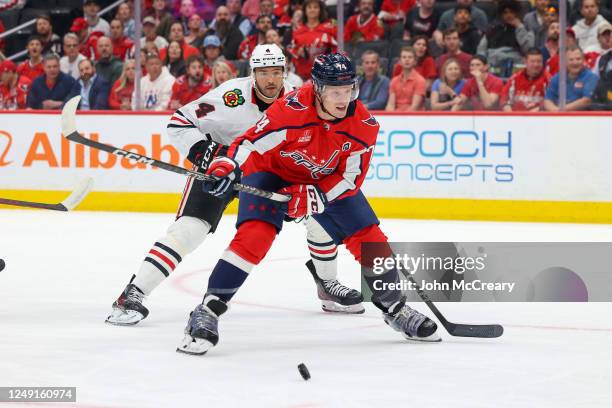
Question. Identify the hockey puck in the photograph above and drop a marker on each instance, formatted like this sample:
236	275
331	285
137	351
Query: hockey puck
304	371
2	265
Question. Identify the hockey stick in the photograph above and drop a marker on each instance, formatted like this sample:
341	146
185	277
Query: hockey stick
70	132
77	195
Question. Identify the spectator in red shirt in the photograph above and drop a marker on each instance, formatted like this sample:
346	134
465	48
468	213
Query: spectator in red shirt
395	11
314	37
482	90
262	25
120	97
407	91
177	34
525	90
33	66
50	41
453	50
121	44
426	66
364	26
190	86
87	43
14	88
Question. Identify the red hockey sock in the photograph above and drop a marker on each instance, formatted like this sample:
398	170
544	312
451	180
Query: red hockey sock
253	240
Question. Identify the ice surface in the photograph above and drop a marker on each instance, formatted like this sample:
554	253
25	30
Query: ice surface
65	269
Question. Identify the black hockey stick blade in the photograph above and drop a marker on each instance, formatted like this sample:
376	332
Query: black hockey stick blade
71	133
74	199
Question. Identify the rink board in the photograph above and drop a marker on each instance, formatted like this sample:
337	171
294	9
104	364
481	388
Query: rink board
535	167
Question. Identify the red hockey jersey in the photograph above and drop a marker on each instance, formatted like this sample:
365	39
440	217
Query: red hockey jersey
291	141
15	97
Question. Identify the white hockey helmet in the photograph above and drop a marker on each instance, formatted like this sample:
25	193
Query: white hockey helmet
267	55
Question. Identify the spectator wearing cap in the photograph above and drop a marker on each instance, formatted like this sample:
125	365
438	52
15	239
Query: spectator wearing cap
525	90
91	8
92	88
150	35
190	86
211	49
407	91
364	26
124	14
108	66
507	40
69	63
121	44
604	36
552	65
14	88
229	35
263	24
238	20
373	86
603	69
33	66
479	19
177	34
422	20
469	35
120	97
50	89
161	16
156	86
482	90
196	31
581	83
453	50
50	41
87	42
535	21
586	28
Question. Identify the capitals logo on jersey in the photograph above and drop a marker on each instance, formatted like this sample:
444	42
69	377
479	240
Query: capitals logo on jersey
315	169
294	103
233	98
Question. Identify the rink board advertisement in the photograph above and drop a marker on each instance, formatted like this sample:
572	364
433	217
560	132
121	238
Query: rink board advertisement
548	168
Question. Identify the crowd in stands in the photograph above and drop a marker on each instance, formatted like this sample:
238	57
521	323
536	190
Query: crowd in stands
412	55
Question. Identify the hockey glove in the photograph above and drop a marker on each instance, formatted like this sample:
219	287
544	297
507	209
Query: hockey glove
203	152
224	173
305	200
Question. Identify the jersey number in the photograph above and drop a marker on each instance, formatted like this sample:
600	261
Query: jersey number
262	123
204	109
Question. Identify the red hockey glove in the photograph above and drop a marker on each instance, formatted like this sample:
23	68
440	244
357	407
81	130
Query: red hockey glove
305	200
224	172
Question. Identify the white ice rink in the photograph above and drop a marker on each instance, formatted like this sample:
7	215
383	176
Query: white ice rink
65	269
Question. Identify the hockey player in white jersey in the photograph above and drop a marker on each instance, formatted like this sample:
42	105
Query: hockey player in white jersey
201	130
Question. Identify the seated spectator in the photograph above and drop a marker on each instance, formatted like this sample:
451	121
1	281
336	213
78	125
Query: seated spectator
174	60
525	90
447	19
535	21
552	65
197	31
407	91
314	37
69	63
604	36
124	14
108	66
272	37
177	34
50	41
469	35
393	12
2	42
426	66
602	97
266	7
93	88
364	26
190	86
422	20
87	42
150	35
586	28
506	40
262	24
446	90
121	44
212	53
581	83
186	10
120	97
33	66
229	35
14	88
238	20
250	9
156	86
551	45
482	90
373	87
161	17
91	8
451	45
222	72
50	89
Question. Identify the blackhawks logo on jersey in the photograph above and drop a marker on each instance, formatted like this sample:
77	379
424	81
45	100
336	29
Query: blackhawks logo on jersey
233	98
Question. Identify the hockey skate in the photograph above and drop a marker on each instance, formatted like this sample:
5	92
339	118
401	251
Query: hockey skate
201	333
128	308
414	325
335	297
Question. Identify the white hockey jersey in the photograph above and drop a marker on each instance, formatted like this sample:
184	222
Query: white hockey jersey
222	114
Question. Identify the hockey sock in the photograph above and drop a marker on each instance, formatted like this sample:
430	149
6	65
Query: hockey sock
323	250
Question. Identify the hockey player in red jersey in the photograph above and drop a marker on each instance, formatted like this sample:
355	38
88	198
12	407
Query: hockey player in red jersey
315	145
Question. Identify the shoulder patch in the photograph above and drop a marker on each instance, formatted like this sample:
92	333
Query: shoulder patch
293	102
346	146
370	121
233	98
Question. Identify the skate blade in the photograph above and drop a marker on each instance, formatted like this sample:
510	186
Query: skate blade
194	346
432	338
120	317
333	307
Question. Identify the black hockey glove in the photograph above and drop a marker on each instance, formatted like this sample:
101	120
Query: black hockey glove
203	152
